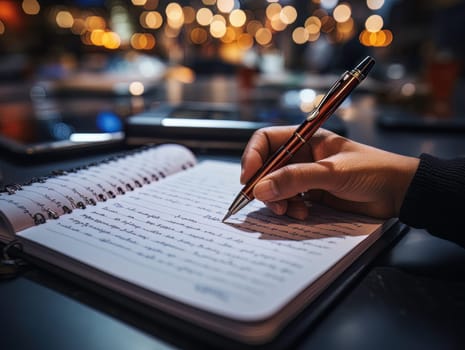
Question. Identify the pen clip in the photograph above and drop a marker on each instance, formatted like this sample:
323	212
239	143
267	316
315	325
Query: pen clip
330	92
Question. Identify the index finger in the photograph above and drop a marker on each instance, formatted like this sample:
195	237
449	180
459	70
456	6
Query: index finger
263	143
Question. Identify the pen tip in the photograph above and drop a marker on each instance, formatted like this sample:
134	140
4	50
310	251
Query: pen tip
228	214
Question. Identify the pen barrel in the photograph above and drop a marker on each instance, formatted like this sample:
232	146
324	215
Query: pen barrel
302	134
333	102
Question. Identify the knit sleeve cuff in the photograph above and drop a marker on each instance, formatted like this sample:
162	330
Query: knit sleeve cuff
435	199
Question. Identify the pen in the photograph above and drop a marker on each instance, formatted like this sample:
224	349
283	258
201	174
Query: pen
330	102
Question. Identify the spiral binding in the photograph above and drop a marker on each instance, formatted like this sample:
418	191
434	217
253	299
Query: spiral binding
40	218
10	266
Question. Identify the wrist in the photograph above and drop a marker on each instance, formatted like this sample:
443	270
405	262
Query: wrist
408	167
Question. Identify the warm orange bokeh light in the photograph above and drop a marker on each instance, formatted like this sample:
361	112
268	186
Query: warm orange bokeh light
151	19
263	36
381	38
64	19
10	13
198	36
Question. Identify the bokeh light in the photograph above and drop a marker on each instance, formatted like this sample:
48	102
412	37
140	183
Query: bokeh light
96	37
64	19
151	19
253	26
79	26
342	13
139	2
111	40
217	26
174	15
204	16
288	14
226	28
237	18
143	41
374	23
276	23
189	14
95	22
263	36
375	4
328	4
198	36
408	89
225	6
378	39
327	24
229	36
136	88
300	35
31	7
313	25
245	41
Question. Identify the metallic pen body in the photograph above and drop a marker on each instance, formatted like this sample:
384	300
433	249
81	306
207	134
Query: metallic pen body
330	102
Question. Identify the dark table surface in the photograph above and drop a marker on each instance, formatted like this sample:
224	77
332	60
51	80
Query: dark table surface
412	295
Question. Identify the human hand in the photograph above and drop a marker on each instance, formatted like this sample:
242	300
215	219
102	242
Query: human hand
329	169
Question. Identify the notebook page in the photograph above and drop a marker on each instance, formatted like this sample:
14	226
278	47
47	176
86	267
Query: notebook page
168	237
58	195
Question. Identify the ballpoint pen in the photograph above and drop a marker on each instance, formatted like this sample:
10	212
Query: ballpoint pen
329	103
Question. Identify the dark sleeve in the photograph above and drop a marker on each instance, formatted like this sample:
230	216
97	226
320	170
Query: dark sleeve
435	199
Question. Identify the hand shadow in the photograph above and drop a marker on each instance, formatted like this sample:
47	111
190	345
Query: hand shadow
323	222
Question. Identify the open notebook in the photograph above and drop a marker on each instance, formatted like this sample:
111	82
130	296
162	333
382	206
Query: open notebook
147	225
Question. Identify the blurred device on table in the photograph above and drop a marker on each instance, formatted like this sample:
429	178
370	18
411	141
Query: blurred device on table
433	102
424	112
203	125
28	128
401	119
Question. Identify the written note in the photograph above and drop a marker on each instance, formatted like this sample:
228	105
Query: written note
168	237
58	195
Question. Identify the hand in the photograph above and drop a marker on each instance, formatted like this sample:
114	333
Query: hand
332	170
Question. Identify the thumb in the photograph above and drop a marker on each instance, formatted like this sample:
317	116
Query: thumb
293	179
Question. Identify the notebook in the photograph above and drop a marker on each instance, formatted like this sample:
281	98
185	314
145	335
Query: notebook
147	226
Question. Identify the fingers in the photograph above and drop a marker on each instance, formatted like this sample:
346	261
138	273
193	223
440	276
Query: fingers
279	207
294	207
294	179
326	143
297	209
279	189
348	175
263	143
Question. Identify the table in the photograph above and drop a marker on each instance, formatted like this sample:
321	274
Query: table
413	295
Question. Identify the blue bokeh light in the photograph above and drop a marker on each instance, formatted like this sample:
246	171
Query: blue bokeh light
109	122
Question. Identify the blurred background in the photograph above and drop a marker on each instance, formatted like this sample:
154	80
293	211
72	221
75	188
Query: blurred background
137	53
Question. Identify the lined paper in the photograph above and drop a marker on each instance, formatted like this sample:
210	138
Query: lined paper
168	237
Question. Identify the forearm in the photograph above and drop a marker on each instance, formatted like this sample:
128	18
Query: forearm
435	199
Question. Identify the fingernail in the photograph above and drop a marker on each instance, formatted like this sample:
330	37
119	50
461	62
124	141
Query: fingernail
266	190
